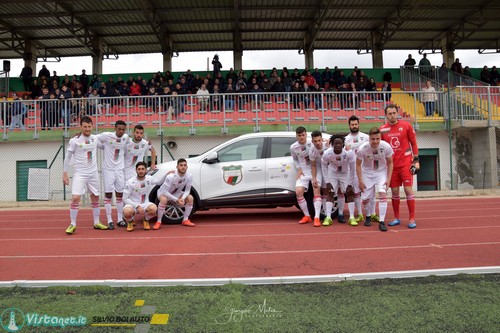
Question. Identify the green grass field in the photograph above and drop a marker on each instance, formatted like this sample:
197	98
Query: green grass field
462	303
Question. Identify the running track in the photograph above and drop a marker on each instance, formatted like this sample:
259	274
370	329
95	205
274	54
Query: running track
230	243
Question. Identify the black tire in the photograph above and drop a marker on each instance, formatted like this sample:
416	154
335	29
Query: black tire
173	213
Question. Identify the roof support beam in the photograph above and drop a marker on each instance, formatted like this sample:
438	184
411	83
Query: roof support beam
159	27
237	43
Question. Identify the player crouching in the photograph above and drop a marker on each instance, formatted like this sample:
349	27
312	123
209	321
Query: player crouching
134	197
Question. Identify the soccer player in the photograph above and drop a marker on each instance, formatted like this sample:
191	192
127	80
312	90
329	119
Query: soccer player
319	185
176	188
353	141
401	136
135	151
83	149
114	144
300	154
374	168
135	197
338	166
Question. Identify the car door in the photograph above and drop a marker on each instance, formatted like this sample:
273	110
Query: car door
280	171
238	178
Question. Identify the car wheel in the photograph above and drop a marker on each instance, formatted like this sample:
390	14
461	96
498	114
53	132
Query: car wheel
173	213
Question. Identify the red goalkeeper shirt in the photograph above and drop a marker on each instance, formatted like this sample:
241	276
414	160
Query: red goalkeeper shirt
403	141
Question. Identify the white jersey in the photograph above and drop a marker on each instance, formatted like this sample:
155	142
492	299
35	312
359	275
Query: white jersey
315	155
353	142
135	152
374	161
176	186
338	165
114	150
136	191
300	154
83	149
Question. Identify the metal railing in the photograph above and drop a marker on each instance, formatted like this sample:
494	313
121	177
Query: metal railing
257	111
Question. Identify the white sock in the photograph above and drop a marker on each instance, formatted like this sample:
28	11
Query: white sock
107	207
350	205
119	209
161	211
329	208
303	206
357	202
341	203
187	211
73	212
317	206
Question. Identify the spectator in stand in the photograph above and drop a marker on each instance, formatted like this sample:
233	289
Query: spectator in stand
44	73
279	87
287	81
309	79
371	86
443	74
256	98
343	96
229	98
217	65
169	76
494	76
274	77
296	96
152	101
45	109
203	98
410	62
425	66
65	99
26	75
457	67
353	96
295	75
18	110
485	75
386	92
341	79
231	75
35	89
135	89
266	87
306	97
317	76
326	78
361	87
353	78
429	98
54	77
467	71
84	80
317	96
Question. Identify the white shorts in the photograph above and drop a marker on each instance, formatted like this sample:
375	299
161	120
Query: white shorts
339	183
143	205
83	182
129	173
177	194
374	184
303	181
114	180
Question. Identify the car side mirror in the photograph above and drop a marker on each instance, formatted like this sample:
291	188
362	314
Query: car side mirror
211	158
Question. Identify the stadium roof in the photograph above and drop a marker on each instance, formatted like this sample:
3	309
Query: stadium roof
66	28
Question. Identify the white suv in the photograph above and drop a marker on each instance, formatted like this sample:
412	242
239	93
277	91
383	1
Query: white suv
250	171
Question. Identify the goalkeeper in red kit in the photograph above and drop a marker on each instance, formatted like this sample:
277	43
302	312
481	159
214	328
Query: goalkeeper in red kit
401	136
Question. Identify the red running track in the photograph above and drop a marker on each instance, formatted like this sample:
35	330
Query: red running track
230	243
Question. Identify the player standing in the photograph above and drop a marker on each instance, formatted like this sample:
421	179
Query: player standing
135	151
401	136
114	144
300	154
176	188
353	141
135	197
338	166
83	148
318	181
374	168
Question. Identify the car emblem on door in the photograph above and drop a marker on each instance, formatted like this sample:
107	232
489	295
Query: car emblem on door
232	174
